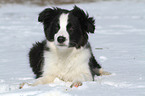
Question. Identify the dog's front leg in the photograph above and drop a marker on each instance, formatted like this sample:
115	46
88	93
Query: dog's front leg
43	80
40	81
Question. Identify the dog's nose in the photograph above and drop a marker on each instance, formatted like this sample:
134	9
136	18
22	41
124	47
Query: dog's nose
61	39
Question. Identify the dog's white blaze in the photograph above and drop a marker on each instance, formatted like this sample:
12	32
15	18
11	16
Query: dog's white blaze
63	21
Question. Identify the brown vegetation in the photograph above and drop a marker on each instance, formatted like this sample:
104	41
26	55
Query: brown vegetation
43	2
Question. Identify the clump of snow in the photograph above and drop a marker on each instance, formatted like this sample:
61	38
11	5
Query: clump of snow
103	58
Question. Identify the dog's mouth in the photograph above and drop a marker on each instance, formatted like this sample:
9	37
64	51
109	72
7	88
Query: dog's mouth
61	45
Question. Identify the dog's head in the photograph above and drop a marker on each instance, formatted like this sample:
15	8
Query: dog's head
67	28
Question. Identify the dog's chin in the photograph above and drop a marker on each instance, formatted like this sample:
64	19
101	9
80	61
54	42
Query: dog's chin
62	46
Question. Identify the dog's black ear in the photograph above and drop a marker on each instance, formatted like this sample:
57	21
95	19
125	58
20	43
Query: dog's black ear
87	23
48	14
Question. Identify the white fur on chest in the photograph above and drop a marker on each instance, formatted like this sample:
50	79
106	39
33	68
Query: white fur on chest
68	65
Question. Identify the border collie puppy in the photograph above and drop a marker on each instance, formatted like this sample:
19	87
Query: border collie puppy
65	53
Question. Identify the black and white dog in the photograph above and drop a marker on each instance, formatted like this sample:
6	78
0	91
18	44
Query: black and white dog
66	52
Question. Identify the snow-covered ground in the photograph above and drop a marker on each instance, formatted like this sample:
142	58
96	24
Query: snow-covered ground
118	44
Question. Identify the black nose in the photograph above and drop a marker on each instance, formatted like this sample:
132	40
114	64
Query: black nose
61	39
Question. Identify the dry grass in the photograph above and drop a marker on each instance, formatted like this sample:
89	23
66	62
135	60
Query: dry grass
43	2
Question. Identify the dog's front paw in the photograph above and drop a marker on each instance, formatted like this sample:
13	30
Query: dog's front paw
76	84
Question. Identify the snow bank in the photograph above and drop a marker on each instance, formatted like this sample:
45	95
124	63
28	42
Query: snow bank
119	34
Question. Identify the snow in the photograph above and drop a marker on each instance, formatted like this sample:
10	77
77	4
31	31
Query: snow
118	44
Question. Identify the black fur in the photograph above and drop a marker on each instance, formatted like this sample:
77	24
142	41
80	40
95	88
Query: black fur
94	64
87	23
36	58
